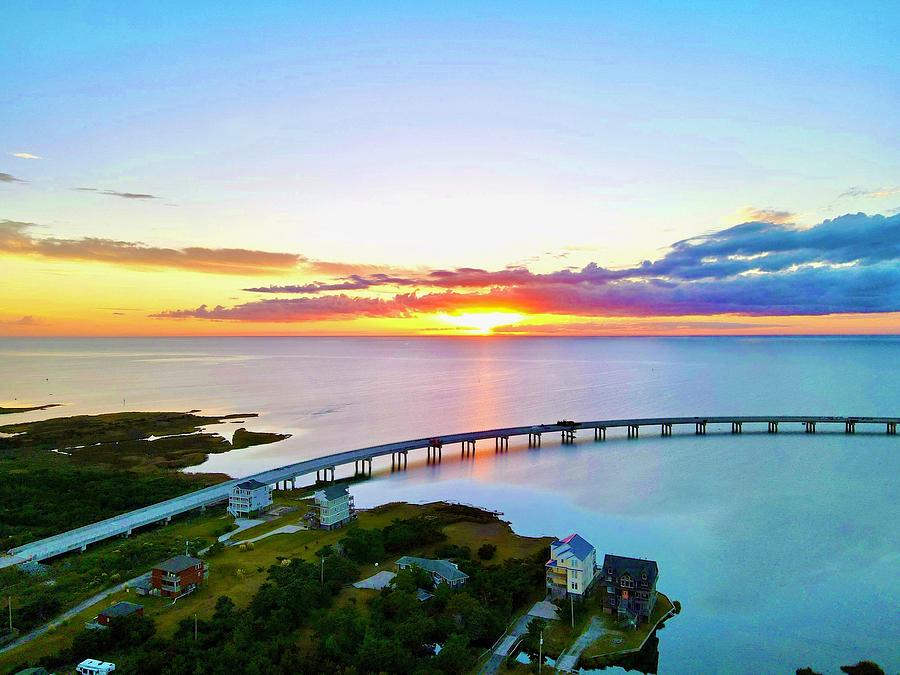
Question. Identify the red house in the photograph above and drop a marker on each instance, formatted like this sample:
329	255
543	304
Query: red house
177	576
117	610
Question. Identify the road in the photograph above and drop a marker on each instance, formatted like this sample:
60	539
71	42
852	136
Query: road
568	660
69	614
509	641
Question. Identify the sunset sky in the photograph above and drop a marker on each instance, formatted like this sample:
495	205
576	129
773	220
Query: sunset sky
468	168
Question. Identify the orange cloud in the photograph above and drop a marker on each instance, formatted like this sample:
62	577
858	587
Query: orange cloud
15	239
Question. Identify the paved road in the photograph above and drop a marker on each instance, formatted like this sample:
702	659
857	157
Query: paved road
74	611
568	660
161	512
512	637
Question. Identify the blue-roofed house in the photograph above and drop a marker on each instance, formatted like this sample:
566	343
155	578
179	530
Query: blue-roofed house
571	568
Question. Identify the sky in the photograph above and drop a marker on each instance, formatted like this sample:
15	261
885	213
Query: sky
284	168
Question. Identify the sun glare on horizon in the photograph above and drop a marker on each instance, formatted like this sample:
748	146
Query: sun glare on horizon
482	323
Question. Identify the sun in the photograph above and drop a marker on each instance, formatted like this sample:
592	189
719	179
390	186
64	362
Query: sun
481	323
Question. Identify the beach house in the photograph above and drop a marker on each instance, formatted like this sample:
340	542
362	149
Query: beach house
629	587
248	498
571	567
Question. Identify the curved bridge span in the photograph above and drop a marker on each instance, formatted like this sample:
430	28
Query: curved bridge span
324	467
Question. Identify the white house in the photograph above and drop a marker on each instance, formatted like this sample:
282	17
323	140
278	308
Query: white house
249	497
95	667
571	568
334	506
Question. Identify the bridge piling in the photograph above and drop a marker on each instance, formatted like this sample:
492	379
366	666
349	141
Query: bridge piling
773	427
501	444
850	427
534	440
700	428
892	428
599	433
633	430
568	436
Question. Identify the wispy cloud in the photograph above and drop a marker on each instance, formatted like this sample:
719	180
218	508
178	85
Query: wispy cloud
877	193
617	327
115	193
8	178
768	215
24	155
759	268
27	320
296	309
16	239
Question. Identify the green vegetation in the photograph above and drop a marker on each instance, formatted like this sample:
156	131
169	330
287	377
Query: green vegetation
132	441
861	668
244	439
66	472
10	411
612	648
42	495
619	639
277	617
65	582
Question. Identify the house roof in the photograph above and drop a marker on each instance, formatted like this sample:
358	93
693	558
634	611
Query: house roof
121	609
251	484
178	564
444	568
572	546
634	567
334	491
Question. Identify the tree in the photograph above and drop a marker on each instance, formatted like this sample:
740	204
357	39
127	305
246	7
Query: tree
863	668
531	640
487	551
363	546
455	657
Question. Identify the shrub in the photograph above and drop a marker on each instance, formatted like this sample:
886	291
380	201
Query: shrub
487	551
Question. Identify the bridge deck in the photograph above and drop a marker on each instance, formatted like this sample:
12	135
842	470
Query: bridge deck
124	523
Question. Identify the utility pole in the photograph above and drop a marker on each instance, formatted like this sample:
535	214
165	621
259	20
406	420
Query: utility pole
323	570
195	627
10	614
541	652
572	608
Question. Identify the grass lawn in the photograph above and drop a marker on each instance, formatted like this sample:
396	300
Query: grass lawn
618	639
559	635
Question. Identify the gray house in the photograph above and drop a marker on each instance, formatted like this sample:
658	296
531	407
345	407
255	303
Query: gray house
442	571
629	587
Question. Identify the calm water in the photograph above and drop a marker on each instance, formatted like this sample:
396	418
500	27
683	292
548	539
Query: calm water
784	550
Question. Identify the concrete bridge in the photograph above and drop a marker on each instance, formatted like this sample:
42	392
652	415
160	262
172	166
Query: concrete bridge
324	467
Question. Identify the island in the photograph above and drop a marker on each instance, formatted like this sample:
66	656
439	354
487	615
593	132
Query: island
10	411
